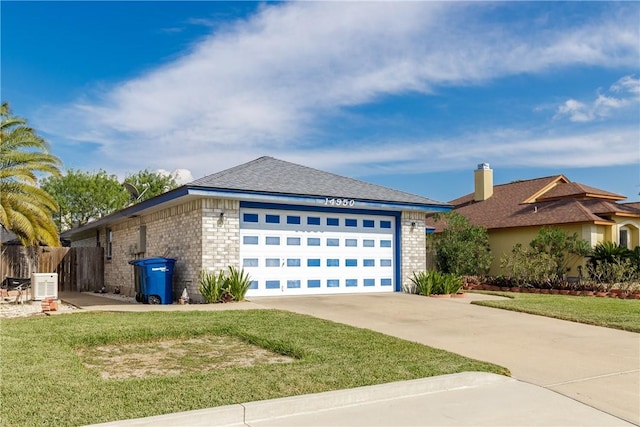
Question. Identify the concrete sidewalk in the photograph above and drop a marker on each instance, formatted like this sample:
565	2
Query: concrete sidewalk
466	399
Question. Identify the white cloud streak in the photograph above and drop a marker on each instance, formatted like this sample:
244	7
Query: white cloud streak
264	85
627	87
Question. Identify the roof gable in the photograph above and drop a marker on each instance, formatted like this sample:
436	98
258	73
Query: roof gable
575	190
542	201
273	176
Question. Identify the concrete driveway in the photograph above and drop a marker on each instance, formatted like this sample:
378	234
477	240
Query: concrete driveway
597	366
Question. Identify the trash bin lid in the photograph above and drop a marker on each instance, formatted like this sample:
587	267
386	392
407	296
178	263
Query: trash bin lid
151	261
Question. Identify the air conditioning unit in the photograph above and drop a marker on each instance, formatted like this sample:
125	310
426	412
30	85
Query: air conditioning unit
44	285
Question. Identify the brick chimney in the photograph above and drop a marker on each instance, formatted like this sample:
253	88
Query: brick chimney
483	179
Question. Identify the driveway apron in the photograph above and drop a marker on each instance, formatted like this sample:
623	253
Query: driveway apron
594	365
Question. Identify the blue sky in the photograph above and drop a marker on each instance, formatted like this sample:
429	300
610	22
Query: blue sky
409	95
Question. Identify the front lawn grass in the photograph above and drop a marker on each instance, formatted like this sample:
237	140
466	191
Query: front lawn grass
609	312
44	380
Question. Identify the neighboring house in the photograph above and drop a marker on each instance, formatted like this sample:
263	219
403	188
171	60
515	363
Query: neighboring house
294	229
515	212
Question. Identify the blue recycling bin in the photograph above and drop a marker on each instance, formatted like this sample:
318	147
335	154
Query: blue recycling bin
154	280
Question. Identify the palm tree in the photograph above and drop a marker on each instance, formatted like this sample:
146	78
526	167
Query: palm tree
25	209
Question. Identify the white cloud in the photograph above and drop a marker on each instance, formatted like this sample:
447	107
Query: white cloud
182	176
266	84
576	110
503	147
628	84
628	88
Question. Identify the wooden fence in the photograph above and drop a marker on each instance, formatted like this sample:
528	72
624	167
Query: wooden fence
79	269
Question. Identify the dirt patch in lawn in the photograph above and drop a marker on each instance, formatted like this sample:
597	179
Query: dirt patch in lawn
175	357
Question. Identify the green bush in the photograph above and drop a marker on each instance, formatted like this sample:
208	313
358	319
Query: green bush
433	282
545	261
610	263
451	284
238	283
212	286
528	267
461	248
223	286
423	282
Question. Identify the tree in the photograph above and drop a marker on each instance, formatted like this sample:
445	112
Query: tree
25	209
461	248
85	196
150	184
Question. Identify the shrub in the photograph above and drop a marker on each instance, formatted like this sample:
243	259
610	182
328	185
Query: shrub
237	283
544	262
451	283
423	282
611	264
561	247
212	286
461	248
224	287
436	283
528	267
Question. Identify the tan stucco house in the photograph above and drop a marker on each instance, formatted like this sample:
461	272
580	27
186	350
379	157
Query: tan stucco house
515	212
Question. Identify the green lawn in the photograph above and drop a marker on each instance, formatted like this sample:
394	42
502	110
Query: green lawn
609	312
44	380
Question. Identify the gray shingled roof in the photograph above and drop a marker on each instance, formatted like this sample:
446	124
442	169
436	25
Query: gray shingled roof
269	175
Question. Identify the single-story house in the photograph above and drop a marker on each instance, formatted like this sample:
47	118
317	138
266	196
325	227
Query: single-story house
294	229
515	212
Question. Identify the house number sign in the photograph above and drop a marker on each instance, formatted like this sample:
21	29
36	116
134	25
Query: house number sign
339	202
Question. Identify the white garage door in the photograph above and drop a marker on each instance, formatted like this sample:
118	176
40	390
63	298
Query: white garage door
300	253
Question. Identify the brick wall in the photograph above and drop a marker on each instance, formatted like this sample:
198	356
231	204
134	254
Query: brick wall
414	250
193	233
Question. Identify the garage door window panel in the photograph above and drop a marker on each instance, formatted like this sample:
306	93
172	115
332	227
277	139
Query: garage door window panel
293	241
272	219
250	240
250	217
293	284
272	240
272	284
292	219
313	283
250	262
